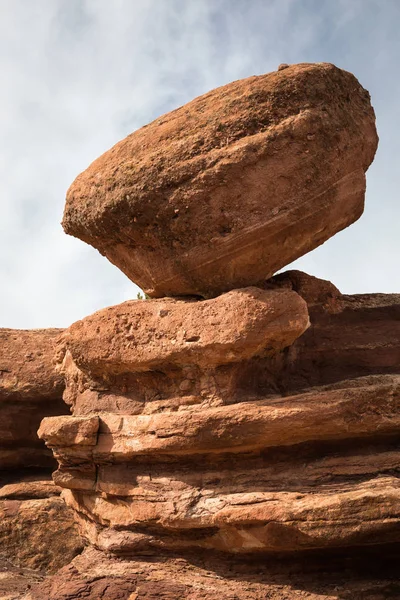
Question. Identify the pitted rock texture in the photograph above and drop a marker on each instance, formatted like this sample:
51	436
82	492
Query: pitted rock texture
37	529
139	336
285	450
30	389
144	356
260	172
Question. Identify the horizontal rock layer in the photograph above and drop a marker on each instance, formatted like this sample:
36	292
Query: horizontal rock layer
248	426
166	499
284	451
162	335
350	337
259	171
30	389
345	515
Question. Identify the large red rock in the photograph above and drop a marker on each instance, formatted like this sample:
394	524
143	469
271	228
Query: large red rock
226	190
30	389
180	463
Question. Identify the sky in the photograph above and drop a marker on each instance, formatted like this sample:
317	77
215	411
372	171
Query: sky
79	75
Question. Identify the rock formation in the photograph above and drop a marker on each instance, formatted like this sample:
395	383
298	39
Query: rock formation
287	450
37	531
207	461
240	437
30	389
259	171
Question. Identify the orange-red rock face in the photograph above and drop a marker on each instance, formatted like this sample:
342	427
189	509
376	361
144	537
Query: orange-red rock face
38	533
228	189
272	449
244	446
287	452
142	336
37	529
30	389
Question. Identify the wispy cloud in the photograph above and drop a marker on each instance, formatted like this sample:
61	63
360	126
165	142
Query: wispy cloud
77	75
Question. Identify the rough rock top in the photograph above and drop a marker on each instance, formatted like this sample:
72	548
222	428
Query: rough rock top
228	189
26	364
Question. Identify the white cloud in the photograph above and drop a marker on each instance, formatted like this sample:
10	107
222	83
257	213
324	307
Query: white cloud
77	75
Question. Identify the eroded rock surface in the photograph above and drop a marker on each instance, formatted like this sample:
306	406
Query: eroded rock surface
271	450
362	575
37	529
30	389
244	446
38	534
167	334
226	190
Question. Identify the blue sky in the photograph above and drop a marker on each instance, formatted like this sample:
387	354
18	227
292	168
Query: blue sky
78	75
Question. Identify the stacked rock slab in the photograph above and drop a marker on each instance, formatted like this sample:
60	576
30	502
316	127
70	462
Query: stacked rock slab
177	441
289	450
205	431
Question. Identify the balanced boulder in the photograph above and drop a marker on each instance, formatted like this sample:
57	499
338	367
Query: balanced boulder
228	189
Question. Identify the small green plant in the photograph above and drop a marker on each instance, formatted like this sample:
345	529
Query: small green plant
140	296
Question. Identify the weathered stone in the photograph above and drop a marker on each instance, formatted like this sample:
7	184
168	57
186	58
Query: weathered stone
350	337
348	514
30	389
243	427
69	431
37	529
145	336
248	474
228	189
360	574
216	447
29	488
280	450
27	364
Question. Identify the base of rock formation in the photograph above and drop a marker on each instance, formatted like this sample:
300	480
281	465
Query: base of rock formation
362	574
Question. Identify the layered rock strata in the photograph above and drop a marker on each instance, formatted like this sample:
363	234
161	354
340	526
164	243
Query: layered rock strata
259	171
269	456
244	445
30	389
38	534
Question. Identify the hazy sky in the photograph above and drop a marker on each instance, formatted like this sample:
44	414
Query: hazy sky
78	75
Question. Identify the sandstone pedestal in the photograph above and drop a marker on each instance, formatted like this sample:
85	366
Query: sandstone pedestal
276	451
